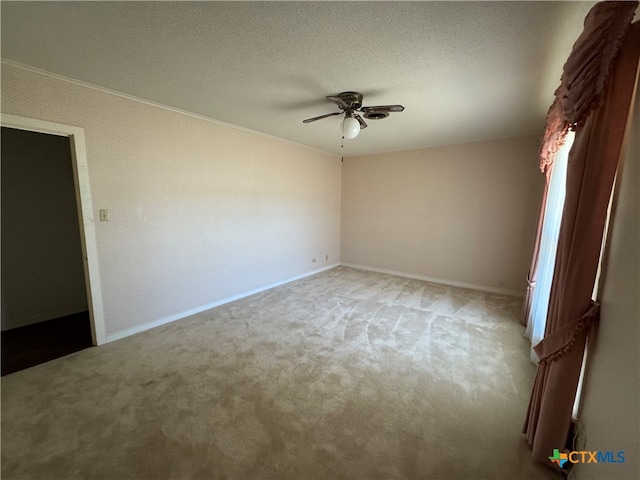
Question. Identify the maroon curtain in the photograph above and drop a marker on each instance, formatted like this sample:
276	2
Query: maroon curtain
581	88
595	97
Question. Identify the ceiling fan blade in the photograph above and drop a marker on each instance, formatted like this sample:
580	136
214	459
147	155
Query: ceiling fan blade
383	108
338	101
309	120
361	122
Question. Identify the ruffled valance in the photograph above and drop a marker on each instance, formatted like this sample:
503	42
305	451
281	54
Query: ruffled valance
585	73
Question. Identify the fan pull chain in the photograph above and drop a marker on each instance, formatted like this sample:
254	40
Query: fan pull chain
342	147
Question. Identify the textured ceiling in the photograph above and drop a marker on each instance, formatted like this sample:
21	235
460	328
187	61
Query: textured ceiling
464	71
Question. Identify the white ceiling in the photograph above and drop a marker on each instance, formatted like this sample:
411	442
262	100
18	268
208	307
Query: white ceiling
464	71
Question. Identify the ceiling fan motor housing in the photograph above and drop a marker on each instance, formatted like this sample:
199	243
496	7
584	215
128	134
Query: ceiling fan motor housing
352	99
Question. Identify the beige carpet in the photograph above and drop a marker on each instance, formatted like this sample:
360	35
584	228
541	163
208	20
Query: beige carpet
346	374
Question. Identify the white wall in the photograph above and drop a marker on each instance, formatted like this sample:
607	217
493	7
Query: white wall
611	391
42	271
461	213
199	211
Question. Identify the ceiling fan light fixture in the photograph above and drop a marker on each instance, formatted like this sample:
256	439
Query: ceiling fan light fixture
350	104
350	127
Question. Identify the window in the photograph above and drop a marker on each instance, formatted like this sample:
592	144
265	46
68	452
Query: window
548	245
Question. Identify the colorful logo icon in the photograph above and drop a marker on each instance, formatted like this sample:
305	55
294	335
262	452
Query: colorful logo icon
585	456
559	458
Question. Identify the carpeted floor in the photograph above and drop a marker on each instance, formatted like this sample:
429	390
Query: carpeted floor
346	374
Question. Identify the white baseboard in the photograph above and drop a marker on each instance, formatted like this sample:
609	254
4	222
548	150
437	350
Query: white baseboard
473	286
177	316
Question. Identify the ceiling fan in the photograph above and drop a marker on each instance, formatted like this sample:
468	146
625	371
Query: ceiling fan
351	102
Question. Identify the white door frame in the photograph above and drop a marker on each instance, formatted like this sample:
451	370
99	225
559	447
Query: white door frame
85	210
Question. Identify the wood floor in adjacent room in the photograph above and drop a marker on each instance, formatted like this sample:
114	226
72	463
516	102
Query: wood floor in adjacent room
41	342
345	374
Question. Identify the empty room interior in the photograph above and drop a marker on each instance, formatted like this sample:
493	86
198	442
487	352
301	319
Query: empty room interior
320	240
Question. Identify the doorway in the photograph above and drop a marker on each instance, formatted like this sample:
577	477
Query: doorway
51	303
